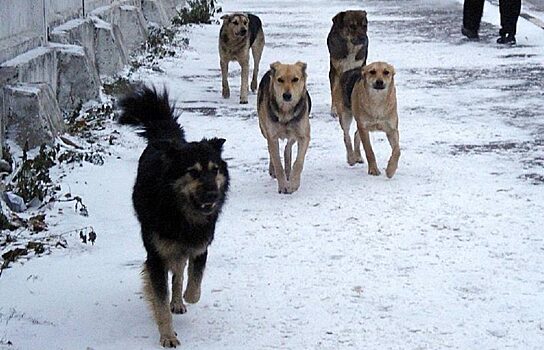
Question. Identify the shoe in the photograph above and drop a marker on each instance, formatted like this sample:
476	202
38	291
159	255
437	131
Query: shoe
469	33
509	39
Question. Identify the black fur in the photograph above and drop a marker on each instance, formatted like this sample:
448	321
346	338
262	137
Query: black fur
347	82
167	214
255	25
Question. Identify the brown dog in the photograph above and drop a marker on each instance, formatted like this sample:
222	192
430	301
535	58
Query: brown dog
284	105
239	33
370	97
348	49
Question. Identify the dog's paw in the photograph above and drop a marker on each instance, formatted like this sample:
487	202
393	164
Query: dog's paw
192	295
373	170
293	186
253	86
243	102
177	307
226	93
169	340
283	188
390	170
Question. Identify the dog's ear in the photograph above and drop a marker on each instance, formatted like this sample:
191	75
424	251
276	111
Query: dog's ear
224	17
302	67
217	143
274	66
339	18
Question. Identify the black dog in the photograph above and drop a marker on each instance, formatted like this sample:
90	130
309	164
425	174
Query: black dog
179	192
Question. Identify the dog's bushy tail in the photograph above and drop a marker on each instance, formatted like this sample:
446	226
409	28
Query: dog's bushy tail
152	111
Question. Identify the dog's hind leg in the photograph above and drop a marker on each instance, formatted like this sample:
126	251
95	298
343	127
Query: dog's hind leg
393	163
257	52
302	147
176	305
155	275
287	153
370	157
197	264
225	78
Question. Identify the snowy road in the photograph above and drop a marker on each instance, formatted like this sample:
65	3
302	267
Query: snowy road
446	255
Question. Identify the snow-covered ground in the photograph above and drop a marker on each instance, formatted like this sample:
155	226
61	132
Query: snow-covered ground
447	254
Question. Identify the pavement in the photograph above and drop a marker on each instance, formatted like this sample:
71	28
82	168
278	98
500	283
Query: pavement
448	254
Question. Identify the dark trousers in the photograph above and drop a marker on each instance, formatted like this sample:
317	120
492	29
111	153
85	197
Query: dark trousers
509	9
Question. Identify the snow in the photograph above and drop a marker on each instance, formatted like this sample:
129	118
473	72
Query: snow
447	254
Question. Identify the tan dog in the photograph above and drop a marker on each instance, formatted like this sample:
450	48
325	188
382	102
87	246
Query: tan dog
284	105
371	94
239	33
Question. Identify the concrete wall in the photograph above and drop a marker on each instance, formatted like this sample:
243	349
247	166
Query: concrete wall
24	24
53	54
21	27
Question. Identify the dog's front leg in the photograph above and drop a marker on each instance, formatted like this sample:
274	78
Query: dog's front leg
345	123
156	291
393	138
176	305
302	147
244	88
274	151
287	153
225	78
197	265
370	157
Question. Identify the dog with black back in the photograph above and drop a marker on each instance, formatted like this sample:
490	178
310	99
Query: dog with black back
179	192
283	106
240	33
348	48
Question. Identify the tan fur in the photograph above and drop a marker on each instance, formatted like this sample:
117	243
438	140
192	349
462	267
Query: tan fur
376	110
233	47
161	313
285	78
176	257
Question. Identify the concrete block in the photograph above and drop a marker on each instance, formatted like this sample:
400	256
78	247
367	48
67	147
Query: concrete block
102	41
66	68
31	113
130	21
154	12
77	78
110	52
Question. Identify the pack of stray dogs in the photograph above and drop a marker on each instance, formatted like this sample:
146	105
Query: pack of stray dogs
181	185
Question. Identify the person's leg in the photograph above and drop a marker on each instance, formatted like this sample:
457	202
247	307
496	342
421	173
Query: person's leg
510	10
472	14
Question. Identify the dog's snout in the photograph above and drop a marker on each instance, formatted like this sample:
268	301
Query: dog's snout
287	96
379	82
243	32
210	197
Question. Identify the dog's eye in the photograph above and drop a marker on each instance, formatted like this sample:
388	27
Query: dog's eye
195	174
235	23
385	72
280	80
372	72
295	80
214	169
